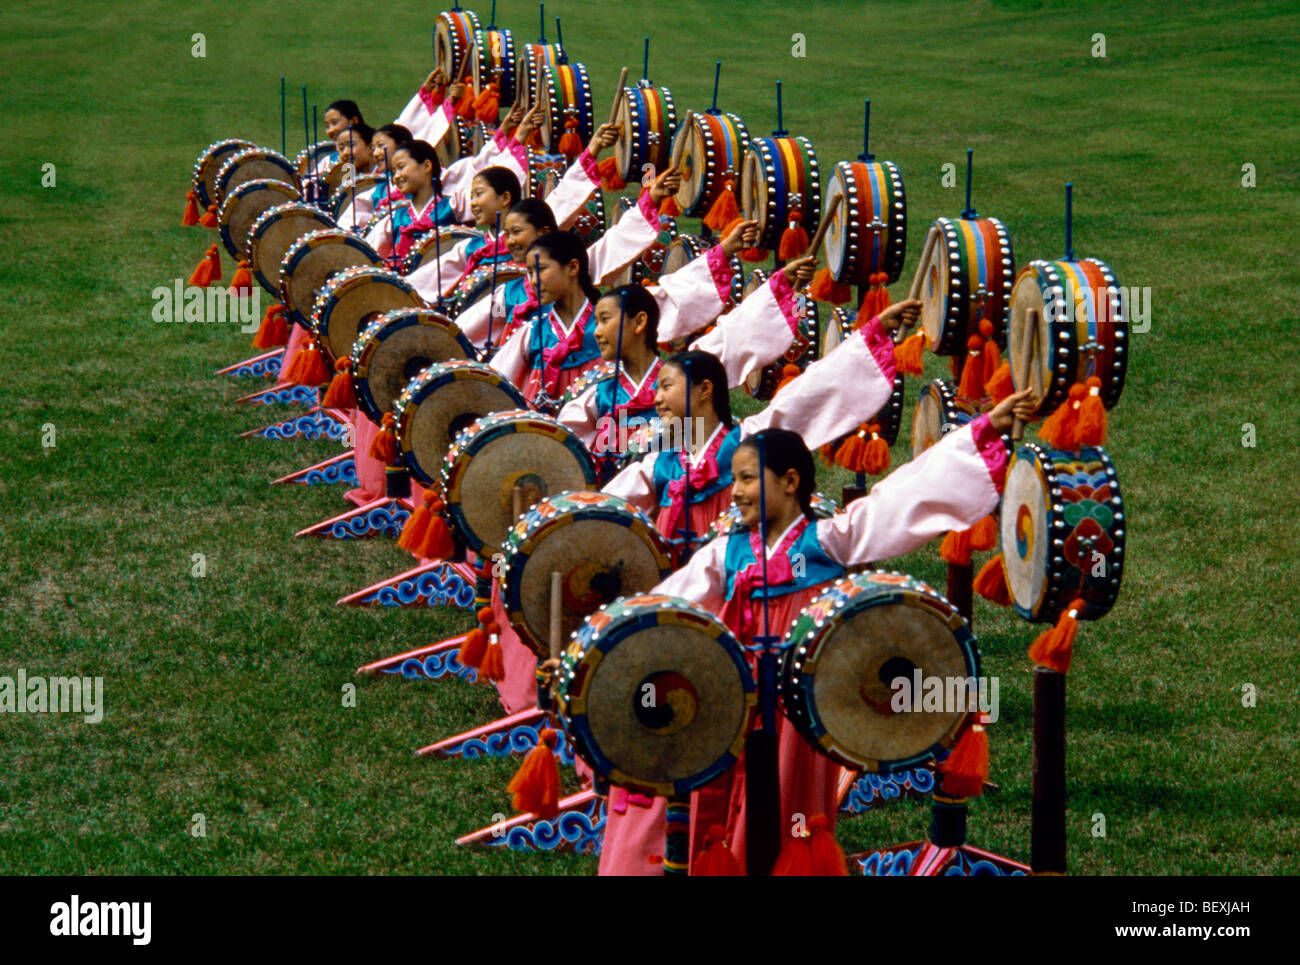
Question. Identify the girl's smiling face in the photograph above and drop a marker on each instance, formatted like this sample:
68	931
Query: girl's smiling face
608	310
335	122
485	204
670	397
353	149
382	146
520	235
409	177
782	491
555	280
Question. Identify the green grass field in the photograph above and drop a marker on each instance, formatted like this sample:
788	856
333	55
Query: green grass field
223	693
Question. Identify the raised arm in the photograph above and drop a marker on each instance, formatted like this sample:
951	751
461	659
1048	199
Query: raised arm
694	295
757	332
636	484
702	581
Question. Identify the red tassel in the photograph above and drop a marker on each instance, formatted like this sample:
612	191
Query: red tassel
610	179
853	452
992	355
827	856
789	373
341	393
291	369
794	240
1092	415
668	208
473	649
465	106
828	453
972	373
967	768
715	859
273	331
956	547
209	219
1054	647
488	104
724	209
1061	429
984	534
436	97
191	216
876	459
570	144
314	369
754	256
493	666
413	532
201	276
384	446
242	283
795	860
908	354
991	582
438	543
999	386
824	288
536	786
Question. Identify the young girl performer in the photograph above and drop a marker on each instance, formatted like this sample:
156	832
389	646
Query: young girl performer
416	174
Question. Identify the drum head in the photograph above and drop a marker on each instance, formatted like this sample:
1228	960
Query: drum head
1031	370
695	168
449	148
657	694
837	329
242	208
626	143
504	450
599	544
934	292
433	242
309	263
352	299
253	164
851	644
753	189
938	412
308	159
682	251
445	398
395	348
1025	530
478	285
839	240
209	165
273	233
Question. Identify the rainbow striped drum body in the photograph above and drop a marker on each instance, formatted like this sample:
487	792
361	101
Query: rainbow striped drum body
535	57
244	205
869	232
939	411
395	348
602	546
844	652
493	59
351	299
252	164
503	450
311	260
203	180
713	154
1062	532
1082	330
271	235
647	122
967	278
567	96
438	403
453	36
779	179
704	697
429	245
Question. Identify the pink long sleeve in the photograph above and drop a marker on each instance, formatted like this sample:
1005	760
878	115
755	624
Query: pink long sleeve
575	188
951	485
756	333
694	295
835	394
473	321
625	242
424	124
702	580
636	483
453	261
581	414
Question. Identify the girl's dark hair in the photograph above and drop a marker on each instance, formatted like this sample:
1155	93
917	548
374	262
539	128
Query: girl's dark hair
636	300
702	367
781	451
398	132
347	108
421	151
363	132
564	247
536	212
502	181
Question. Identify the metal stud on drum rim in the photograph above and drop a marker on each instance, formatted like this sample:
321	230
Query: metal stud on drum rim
647	120
968	277
938	412
453	37
780	175
354	297
203	180
251	164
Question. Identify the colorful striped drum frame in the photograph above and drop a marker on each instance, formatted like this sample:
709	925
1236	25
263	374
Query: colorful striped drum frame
245	205
568	94
251	164
968	278
453	39
350	299
493	59
309	263
209	164
780	176
535	57
713	153
869	232
1072	342
1062	532
647	122
271	235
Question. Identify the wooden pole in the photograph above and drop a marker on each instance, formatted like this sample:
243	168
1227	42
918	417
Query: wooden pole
557	613
516	502
1047	818
822	228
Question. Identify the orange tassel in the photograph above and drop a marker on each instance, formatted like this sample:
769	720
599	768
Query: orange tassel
570	144
1092	415
201	276
473	649
465	106
191	216
754	256
956	547
789	373
314	371
991	582
984	534
828	453
876	458
493	667
853	452
972	373
273	331
438	543
827	856
438	96
724	209
214	259
1054	647
794	240
536	787
999	385
992	355
209	219
908	354
413	532
384	446
967	768
795	860
824	288
669	208
610	179
1061	429
341	393
488	104
242	283
715	859
292	368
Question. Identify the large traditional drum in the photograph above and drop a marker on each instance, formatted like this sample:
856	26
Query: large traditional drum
499	452
271	235
602	546
868	234
779	180
762	383
589	225
493	59
457	143
656	694
395	348
431	243
307	160
252	164
535	57
348	191
647	122
478	284
1081	331
848	647
311	260
567	94
453	36
441	401
1062	532
209	165
938	412
354	297
713	154
967	278
244	205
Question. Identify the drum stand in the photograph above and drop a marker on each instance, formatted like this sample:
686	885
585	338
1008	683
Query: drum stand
336	469
316	423
943	852
302	395
264	366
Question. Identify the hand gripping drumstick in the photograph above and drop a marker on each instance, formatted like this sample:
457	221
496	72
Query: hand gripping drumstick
931	240
1026	367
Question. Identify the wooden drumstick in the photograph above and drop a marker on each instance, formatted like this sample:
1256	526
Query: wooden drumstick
618	92
918	281
557	613
679	146
822	228
1025	368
